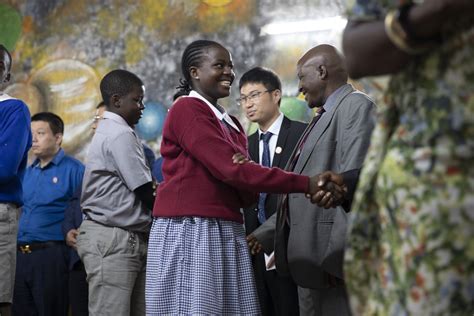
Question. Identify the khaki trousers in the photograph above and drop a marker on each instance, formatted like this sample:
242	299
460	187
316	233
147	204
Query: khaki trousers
115	262
9	214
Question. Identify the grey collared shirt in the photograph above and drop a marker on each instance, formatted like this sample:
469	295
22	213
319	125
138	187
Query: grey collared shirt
115	167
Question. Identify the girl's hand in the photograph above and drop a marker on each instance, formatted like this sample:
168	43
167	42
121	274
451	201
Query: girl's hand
239	158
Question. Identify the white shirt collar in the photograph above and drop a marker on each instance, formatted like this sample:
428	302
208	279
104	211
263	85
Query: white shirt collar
275	127
221	116
115	117
4	97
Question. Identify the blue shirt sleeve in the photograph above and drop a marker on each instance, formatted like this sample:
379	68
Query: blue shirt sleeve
15	140
73	213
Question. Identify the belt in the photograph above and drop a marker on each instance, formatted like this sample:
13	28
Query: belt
28	248
143	235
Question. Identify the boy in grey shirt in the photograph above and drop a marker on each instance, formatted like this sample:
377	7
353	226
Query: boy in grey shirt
117	197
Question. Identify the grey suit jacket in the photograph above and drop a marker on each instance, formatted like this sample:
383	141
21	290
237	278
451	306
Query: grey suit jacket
313	242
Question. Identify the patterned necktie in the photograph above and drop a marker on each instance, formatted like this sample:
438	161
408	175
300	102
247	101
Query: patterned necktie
265	162
296	154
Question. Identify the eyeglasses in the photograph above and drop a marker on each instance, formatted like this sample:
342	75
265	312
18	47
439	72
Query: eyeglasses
251	97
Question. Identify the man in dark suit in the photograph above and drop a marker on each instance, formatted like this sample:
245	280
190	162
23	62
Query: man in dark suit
308	239
260	96
77	285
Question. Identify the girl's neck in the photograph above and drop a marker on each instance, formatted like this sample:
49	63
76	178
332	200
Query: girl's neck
211	100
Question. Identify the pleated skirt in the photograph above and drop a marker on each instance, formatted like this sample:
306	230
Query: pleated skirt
199	266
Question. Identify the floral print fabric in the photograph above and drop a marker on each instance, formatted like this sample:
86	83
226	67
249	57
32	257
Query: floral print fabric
411	236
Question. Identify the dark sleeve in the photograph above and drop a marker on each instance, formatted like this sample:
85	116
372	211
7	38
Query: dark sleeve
351	177
156	170
146	194
149	155
248	198
73	213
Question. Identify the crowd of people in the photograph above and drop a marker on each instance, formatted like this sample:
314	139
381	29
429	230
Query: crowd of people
366	210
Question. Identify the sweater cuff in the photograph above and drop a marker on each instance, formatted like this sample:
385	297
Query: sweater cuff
302	184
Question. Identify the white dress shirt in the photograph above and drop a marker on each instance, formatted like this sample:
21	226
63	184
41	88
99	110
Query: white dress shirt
275	130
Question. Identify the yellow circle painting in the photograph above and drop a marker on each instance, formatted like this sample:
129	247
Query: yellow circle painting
70	89
217	3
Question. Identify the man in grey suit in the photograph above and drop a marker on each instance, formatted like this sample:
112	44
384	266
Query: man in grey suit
260	96
309	239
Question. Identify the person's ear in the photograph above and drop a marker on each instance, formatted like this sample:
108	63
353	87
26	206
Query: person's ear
59	139
322	72
194	72
115	101
276	94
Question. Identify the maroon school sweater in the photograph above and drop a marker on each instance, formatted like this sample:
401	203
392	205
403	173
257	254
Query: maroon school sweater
200	178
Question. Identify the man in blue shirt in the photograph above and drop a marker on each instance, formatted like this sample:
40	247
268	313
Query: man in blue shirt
50	182
15	141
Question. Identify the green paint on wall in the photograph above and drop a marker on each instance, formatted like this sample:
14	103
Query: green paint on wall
10	26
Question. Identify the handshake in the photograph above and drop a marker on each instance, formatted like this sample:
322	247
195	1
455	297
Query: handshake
326	189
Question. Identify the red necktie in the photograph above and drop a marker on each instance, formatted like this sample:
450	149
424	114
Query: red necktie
304	137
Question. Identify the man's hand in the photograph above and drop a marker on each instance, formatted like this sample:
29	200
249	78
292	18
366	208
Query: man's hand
254	244
327	189
239	158
71	238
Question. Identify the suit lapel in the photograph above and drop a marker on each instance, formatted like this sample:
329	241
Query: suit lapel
281	142
318	130
253	147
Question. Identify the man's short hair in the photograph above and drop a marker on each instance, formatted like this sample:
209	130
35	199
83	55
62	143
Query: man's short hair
54	121
100	105
120	82
3	48
265	76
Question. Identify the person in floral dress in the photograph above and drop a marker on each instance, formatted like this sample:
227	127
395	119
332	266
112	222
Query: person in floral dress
411	239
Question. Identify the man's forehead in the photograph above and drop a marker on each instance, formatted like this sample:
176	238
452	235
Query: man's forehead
41	126
252	86
309	61
302	64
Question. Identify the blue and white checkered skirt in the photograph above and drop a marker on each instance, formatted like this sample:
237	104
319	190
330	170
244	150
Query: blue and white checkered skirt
201	266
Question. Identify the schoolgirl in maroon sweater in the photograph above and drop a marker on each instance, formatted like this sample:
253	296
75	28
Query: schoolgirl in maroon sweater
198	260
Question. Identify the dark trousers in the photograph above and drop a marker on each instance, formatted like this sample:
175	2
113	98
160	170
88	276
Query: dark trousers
78	290
41	282
331	301
278	295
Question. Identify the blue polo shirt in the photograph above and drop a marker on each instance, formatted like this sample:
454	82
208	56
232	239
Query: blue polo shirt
46	194
15	141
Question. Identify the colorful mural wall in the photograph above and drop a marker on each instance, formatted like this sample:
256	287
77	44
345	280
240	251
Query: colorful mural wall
62	49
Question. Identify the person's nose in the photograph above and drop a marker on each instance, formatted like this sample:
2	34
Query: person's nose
228	71
246	103
300	87
251	102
